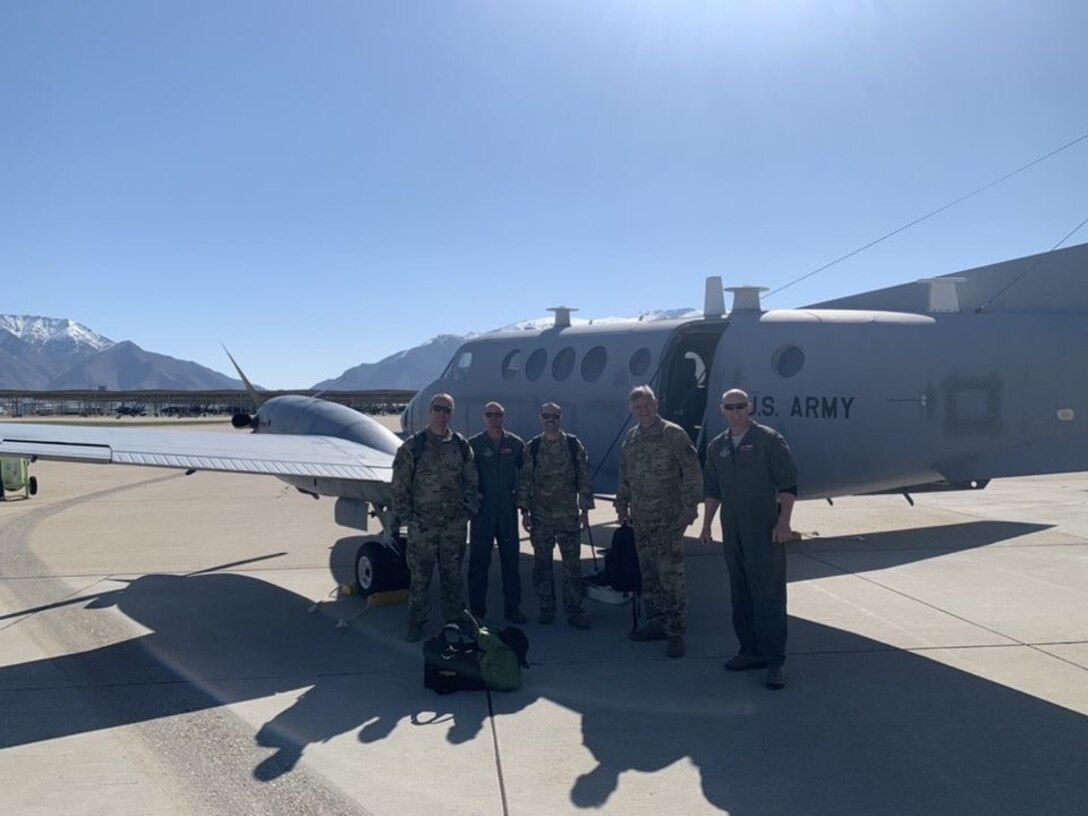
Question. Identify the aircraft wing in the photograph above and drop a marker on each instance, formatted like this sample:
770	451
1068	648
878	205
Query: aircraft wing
270	454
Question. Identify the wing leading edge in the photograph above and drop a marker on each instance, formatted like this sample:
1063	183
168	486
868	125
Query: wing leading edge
269	454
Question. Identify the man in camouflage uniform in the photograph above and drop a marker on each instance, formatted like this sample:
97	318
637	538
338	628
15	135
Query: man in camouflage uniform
659	490
751	475
435	491
498	461
555	497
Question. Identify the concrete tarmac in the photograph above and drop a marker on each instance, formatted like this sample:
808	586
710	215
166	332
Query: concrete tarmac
169	645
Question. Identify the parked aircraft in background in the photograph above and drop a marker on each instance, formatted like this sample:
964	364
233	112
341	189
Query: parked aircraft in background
940	384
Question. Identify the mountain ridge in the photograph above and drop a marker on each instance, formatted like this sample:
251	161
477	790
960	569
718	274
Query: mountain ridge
56	354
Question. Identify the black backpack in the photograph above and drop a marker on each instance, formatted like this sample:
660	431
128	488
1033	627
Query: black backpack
621	570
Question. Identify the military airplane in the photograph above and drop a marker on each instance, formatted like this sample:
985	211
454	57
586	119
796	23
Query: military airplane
944	383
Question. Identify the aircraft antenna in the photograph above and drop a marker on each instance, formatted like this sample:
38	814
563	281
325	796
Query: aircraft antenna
929	215
713	298
1030	269
562	315
746	298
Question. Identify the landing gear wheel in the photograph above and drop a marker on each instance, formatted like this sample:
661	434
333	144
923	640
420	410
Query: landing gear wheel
33	485
377	569
367	569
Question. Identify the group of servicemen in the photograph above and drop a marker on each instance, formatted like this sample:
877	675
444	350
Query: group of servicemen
441	480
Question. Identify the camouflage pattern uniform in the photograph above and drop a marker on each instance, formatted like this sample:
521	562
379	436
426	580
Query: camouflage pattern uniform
547	490
435	495
660	480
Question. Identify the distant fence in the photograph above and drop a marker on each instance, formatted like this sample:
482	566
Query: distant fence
180	403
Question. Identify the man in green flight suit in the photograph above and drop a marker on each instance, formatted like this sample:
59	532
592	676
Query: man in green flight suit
498	462
751	475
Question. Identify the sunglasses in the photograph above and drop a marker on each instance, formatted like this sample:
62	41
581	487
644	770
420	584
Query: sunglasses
734	406
549	416
493	414
442	409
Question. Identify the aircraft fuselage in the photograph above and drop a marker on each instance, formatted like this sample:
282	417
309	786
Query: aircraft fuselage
868	400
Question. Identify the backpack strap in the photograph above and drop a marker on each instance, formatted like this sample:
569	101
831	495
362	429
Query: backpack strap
572	448
419	442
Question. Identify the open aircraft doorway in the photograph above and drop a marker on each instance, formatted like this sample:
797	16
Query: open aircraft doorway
684	376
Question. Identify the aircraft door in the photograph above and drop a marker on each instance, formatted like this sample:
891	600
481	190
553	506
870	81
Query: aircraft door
685	369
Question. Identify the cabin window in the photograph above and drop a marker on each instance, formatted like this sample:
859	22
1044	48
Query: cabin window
563	363
640	362
534	366
460	365
511	365
787	361
593	363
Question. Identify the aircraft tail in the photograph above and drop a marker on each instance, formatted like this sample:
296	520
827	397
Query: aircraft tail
1054	281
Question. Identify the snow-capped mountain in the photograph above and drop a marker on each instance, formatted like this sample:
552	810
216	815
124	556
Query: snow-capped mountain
48	353
541	323
45	353
54	335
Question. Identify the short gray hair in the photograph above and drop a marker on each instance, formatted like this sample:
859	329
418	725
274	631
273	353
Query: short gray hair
739	392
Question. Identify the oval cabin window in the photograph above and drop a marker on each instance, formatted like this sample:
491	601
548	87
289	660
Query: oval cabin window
563	364
593	363
534	366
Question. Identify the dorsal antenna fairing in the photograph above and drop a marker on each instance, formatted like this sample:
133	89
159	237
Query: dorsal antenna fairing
714	298
746	298
943	296
562	315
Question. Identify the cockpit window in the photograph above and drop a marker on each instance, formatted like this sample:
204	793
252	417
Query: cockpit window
459	366
511	365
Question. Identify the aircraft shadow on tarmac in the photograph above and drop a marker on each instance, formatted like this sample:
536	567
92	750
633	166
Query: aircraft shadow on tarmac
882	730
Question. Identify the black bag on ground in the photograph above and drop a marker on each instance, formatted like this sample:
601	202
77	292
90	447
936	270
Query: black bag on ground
451	662
465	656
621	561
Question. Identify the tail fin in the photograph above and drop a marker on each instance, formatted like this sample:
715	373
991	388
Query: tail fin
1054	281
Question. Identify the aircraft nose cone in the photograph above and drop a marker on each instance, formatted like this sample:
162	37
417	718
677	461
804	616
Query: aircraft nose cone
409	420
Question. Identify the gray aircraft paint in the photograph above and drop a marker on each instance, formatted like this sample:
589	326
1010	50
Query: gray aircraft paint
885	390
882	398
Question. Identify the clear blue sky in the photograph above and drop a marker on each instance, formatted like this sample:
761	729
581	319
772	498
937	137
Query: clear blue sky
319	184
